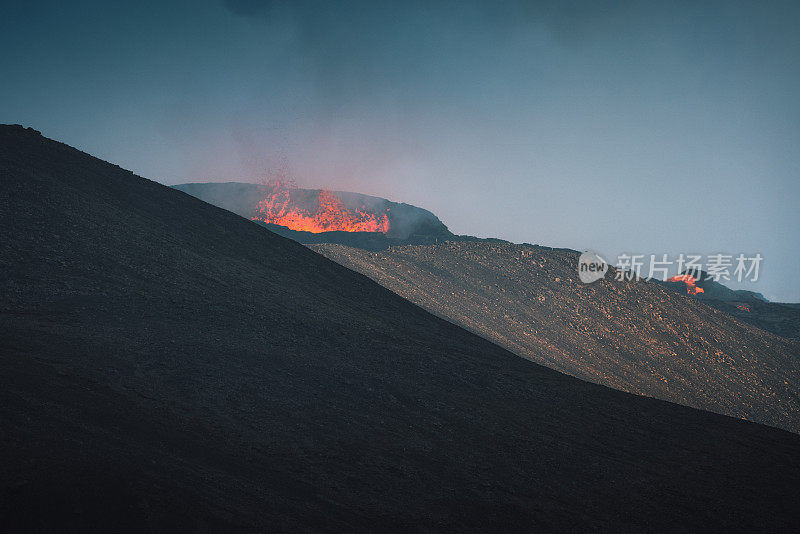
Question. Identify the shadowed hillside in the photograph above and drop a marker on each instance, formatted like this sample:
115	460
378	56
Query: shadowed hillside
167	365
635	336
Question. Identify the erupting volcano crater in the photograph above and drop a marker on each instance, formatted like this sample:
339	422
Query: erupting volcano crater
325	216
317	211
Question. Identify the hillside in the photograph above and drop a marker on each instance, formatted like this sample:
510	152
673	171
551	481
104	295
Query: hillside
168	366
635	336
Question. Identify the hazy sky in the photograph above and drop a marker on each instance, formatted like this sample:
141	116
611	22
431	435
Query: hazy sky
615	126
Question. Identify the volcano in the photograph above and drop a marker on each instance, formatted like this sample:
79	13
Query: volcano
167	365
311	216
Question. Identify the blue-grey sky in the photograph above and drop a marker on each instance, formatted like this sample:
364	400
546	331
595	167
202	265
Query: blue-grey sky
643	127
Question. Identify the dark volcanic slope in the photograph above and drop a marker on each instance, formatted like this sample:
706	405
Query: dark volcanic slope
166	363
635	336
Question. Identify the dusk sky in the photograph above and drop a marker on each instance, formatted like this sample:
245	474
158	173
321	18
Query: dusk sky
639	127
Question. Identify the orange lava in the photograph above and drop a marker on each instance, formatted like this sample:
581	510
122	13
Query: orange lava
689	280
325	213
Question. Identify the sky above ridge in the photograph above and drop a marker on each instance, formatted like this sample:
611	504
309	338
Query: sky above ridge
620	127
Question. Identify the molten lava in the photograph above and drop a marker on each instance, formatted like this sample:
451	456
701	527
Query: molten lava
689	280
296	209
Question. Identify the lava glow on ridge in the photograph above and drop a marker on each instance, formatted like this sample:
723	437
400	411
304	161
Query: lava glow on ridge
689	280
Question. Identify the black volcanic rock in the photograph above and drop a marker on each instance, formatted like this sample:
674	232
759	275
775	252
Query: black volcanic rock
166	365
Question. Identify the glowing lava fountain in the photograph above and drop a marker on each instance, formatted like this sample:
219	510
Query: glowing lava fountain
319	211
